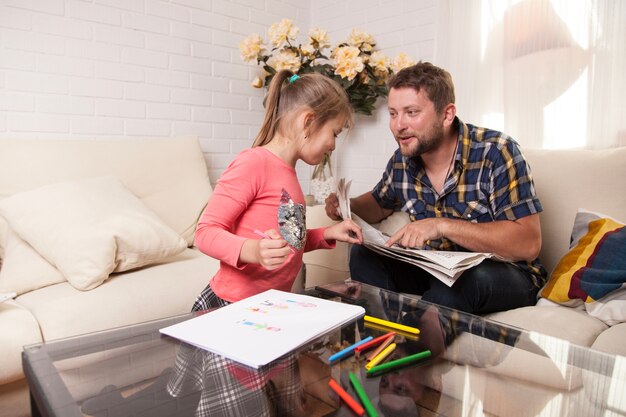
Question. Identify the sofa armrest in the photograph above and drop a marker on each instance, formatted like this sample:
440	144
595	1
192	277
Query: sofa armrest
323	266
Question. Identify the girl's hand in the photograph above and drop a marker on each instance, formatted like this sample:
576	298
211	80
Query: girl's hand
346	231
270	252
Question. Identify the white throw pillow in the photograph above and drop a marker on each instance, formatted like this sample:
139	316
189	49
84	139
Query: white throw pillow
90	228
23	269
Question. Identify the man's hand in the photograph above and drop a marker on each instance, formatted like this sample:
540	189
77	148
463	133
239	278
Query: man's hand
332	207
417	233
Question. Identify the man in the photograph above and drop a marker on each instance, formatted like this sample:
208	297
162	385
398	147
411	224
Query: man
465	188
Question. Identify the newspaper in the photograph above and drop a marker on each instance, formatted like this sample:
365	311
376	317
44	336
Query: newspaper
446	266
343	191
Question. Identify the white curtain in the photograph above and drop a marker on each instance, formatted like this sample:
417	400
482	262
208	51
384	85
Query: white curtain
550	73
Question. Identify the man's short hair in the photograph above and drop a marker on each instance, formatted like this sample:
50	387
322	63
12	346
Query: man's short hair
435	81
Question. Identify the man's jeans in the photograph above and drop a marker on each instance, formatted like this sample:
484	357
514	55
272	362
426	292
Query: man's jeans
488	287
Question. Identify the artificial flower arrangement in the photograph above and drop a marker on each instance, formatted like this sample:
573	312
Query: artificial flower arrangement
354	64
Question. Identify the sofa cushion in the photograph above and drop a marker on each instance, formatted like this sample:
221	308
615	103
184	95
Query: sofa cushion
19	328
612	340
593	272
570	324
541	356
23	269
89	228
168	174
161	290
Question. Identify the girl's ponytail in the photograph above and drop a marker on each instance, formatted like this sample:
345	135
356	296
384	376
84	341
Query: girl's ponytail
272	101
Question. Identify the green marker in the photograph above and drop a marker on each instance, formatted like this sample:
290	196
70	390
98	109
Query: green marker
398	363
360	392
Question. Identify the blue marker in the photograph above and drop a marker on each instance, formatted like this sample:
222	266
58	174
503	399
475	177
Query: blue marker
345	352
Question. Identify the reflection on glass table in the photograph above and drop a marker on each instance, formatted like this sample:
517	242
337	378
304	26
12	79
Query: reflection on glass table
477	367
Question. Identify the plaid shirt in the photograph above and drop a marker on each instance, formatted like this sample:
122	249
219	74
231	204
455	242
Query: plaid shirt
490	181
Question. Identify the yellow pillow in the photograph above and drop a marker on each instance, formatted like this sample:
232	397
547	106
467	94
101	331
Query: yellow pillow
595	265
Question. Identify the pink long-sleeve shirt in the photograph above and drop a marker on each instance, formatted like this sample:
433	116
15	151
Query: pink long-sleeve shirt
246	198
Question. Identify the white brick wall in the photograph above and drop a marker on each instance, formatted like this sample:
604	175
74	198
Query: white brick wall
105	68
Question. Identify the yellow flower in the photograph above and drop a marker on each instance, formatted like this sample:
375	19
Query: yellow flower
251	47
348	63
282	32
401	61
379	62
307	50
360	39
360	69
285	59
318	38
257	82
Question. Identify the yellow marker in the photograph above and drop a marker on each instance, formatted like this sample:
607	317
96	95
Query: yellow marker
386	329
392	325
380	357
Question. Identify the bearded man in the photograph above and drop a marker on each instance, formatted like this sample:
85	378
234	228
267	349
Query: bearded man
464	188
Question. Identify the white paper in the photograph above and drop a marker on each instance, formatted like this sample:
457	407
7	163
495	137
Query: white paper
259	329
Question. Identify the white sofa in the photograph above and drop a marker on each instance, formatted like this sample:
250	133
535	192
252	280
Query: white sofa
565	180
169	175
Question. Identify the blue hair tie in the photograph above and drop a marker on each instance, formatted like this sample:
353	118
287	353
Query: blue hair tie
293	78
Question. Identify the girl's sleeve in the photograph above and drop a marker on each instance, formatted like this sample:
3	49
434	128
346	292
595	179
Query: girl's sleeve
232	195
315	240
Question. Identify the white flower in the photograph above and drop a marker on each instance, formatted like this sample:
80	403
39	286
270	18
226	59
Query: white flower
318	38
282	33
251	48
285	59
308	50
401	61
361	40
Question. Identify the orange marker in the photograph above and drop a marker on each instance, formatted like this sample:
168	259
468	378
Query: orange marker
380	357
380	348
346	397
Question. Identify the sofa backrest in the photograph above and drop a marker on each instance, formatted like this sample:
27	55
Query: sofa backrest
568	180
168	174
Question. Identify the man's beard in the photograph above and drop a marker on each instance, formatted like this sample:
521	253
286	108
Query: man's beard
426	142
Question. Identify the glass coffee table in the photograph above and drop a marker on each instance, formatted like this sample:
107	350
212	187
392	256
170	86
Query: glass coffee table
477	367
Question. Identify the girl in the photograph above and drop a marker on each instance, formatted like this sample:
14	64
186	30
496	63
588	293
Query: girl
254	220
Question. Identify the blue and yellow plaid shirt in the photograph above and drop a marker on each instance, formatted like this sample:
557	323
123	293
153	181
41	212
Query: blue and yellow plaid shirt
490	181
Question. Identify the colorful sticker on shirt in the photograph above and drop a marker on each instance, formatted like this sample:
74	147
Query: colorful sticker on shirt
292	221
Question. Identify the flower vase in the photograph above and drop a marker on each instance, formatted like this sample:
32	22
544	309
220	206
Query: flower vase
322	181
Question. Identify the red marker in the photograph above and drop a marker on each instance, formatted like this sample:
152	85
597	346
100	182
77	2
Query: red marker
346	397
374	342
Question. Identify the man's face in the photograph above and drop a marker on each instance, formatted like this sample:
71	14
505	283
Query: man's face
414	122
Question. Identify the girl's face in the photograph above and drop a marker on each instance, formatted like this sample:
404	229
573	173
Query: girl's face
322	142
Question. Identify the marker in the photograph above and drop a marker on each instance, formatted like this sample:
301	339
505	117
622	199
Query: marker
398	363
374	342
393	325
347	351
356	407
380	357
380	348
266	236
360	392
406	335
